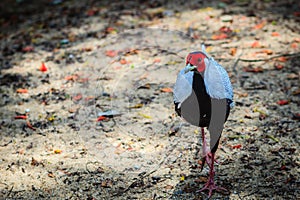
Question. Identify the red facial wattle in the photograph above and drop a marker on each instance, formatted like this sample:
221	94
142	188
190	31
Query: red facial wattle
196	59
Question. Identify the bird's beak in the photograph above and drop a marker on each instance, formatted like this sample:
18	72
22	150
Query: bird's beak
188	68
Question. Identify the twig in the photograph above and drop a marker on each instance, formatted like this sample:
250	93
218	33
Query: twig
260	60
270	58
9	192
234	68
5	144
142	176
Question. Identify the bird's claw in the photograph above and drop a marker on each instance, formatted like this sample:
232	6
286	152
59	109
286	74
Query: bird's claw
211	186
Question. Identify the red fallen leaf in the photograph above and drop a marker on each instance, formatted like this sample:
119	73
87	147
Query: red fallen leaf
92	12
21	117
101	118
123	61
43	67
260	25
83	80
130	149
77	97
282	59
157	60
110	30
282	102
296	116
297	40
30	126
196	36
87	49
21	90
118	67
225	29
296	14
267	51
28	49
238	146
275	34
283	167
88	98
111	53
221	36
278	66
255	44
232	51
294	45
71	77
166	89
254	70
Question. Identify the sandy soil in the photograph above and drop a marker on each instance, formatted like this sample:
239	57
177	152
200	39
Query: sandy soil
122	58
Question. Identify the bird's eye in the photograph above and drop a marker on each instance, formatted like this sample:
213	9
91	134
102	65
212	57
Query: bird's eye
199	59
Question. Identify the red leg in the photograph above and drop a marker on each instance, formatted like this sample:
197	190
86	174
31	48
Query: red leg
210	184
206	154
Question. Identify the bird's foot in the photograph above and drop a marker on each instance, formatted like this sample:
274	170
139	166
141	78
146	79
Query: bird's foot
211	186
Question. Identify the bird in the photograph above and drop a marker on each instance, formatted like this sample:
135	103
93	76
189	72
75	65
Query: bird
203	96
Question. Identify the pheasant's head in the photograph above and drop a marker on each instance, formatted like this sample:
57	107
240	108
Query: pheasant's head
195	61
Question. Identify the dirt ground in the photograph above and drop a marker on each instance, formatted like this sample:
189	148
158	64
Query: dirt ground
97	121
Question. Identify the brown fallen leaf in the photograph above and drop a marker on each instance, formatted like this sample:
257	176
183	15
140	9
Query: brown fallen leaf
166	89
220	36
77	97
256	44
111	53
51	175
282	59
139	105
233	51
21	90
57	151
275	34
34	162
123	62
253	69
169	187
260	25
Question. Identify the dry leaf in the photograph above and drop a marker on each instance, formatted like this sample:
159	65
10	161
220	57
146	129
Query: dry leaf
282	102
57	151
101	118
282	59
139	105
22	90
166	89
169	187
275	34
123	62
145	116
21	117
233	51
260	25
220	36
43	67
51	175
34	162
267	51
294	45
253	69
111	53
255	44
77	97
